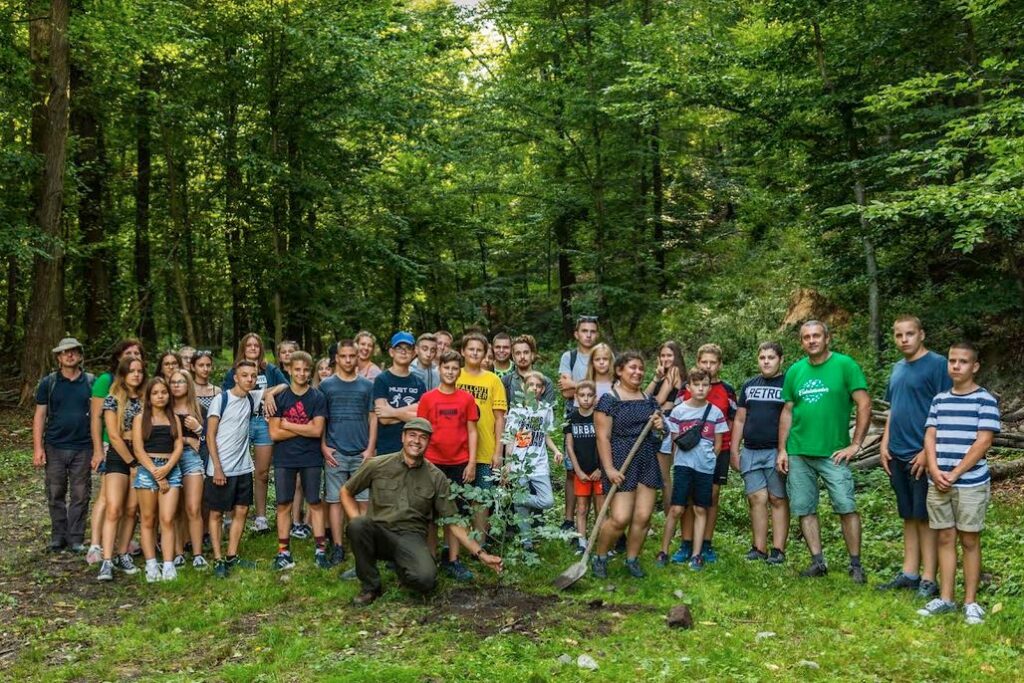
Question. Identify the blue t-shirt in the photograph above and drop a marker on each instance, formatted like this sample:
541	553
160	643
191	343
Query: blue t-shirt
912	386
268	378
67	415
400	392
299	451
702	457
957	419
349	405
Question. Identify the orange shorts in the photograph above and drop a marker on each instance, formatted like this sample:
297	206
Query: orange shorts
587	488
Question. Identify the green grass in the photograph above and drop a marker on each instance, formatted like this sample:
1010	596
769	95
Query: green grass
260	626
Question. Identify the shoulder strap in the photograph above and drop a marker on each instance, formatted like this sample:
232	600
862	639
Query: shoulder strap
573	355
223	403
704	417
52	379
252	404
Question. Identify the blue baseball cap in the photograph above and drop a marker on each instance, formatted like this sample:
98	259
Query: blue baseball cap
402	338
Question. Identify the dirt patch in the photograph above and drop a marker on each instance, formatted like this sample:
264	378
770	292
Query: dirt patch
490	611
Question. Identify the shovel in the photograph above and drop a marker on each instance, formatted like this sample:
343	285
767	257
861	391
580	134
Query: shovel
578	570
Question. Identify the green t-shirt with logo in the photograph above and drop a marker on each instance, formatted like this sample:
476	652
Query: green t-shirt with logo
100	389
822	399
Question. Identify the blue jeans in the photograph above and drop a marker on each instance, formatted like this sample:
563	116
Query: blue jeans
540	498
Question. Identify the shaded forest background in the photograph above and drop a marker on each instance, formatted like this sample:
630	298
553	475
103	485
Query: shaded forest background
188	171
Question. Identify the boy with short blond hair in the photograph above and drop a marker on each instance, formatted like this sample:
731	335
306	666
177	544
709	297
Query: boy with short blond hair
958	434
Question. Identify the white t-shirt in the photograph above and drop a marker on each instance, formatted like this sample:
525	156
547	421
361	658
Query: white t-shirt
233	433
526	430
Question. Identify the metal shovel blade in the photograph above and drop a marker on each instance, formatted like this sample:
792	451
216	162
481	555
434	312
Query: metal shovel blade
571	575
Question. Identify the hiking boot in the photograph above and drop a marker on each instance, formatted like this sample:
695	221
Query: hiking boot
94	556
458	571
974	614
153	573
169	573
199	563
365	598
754	555
283	561
321	560
856	573
221	569
775	557
634	569
927	589
662	560
298	531
124	563
697	563
815	570
900	582
600	567
709	555
682	555
337	555
106	571
260	526
936	607
179	560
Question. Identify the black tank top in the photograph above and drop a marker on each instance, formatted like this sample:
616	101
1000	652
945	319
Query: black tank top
160	440
185	431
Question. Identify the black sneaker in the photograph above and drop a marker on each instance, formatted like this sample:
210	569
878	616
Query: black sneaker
237	562
754	555
815	570
928	589
620	546
776	557
600	567
337	555
634	569
568	525
856	573
221	569
900	582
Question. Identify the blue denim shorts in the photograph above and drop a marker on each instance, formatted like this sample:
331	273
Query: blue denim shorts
145	480
259	432
190	462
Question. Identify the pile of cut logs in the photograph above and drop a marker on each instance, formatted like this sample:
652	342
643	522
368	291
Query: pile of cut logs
1011	436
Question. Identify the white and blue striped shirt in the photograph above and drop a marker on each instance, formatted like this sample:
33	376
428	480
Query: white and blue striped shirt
957	419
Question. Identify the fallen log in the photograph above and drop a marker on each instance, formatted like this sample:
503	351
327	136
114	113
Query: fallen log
1006	470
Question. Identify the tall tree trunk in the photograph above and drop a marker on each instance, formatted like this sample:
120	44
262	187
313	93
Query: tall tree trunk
176	201
144	289
45	318
278	195
232	196
846	115
90	162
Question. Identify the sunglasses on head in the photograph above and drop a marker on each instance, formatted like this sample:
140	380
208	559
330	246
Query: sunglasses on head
587	319
202	354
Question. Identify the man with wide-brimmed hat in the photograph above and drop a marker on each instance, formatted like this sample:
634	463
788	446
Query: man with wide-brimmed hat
62	443
406	494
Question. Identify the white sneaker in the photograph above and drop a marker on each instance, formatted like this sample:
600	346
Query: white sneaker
974	614
260	526
199	562
936	607
169	573
94	555
153	573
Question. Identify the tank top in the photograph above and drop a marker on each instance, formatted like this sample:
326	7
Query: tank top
160	440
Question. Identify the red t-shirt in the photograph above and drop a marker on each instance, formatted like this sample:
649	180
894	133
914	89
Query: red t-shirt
449	415
723	397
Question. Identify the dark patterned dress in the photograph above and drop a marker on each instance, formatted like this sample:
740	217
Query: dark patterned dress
628	420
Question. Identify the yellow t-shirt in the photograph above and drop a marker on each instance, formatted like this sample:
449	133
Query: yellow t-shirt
489	393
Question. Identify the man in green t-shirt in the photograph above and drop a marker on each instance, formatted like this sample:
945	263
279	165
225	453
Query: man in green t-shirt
814	441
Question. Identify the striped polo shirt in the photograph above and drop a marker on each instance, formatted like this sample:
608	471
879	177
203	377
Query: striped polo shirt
957	419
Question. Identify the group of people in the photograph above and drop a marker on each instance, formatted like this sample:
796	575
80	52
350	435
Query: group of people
380	456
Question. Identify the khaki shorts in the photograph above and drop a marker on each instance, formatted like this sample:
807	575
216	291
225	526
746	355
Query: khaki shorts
963	508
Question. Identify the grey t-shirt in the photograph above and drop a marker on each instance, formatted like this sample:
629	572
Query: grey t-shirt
578	371
233	433
349	405
430	377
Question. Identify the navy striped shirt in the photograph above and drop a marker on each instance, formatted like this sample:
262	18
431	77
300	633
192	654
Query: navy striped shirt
957	419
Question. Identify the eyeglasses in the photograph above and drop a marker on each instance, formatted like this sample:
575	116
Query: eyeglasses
177	382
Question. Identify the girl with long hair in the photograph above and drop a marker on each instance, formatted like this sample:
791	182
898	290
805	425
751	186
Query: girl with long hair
191	419
168	362
600	369
667	384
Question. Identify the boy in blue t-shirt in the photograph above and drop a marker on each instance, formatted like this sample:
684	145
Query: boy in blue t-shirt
693	471
961	425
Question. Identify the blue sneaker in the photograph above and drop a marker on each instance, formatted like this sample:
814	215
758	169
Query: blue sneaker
682	555
709	555
634	569
600	567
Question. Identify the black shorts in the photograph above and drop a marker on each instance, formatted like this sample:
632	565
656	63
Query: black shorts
721	475
911	494
115	464
690	486
284	483
454	474
237	491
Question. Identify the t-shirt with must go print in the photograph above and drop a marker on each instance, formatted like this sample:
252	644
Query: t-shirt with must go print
399	392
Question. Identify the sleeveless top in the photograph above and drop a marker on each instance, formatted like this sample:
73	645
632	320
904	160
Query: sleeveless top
160	440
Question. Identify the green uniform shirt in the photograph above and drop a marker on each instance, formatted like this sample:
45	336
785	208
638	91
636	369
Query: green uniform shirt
403	498
822	396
